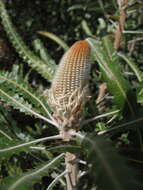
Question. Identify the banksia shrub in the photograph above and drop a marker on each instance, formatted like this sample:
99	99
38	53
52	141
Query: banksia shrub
69	89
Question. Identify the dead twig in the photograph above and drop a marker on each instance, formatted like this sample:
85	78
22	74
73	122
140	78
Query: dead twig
100	98
120	27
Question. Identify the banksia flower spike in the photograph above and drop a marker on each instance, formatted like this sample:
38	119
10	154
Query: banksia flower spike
69	89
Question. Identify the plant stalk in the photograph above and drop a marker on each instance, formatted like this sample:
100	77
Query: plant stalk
72	168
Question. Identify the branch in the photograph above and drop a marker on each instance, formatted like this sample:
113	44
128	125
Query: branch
118	34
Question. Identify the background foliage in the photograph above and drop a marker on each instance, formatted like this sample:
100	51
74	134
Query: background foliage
23	80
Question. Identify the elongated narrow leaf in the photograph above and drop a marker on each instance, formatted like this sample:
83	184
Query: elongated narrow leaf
42	51
15	101
133	66
17	146
86	28
26	180
56	180
108	169
24	93
18	103
65	148
109	64
55	38
4	142
9	127
140	93
45	69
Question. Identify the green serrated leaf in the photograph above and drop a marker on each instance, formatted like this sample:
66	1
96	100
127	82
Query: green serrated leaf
4	142
108	168
109	64
42	51
15	101
24	93
133	66
23	106
17	146
45	69
26	180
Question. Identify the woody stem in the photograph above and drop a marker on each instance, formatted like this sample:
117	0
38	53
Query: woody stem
72	168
